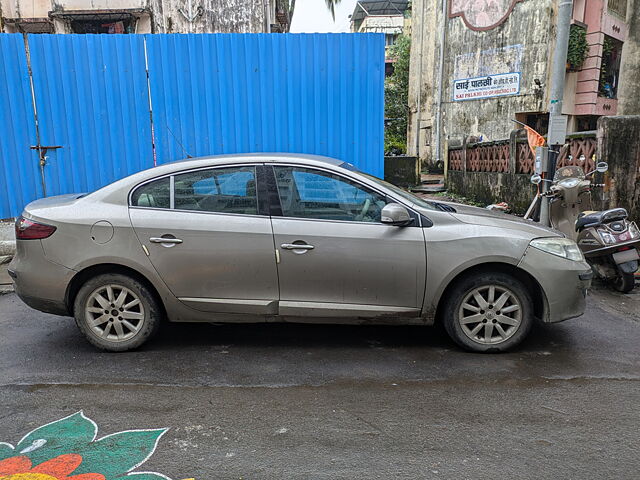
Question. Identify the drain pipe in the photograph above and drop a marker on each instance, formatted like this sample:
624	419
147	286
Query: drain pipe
443	38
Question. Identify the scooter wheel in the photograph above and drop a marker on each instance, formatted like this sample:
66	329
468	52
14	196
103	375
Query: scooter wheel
624	282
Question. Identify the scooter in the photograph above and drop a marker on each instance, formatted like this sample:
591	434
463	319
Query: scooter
608	240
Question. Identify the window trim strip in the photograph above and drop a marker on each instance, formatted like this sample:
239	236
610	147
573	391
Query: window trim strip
172	197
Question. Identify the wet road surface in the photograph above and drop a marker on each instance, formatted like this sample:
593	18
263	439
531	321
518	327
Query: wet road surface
334	402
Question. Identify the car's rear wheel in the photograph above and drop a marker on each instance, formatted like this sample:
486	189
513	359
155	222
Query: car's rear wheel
489	312
116	312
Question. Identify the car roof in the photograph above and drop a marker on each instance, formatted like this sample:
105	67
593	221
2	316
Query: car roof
266	157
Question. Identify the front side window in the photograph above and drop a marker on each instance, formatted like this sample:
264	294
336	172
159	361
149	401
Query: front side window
155	194
309	193
223	190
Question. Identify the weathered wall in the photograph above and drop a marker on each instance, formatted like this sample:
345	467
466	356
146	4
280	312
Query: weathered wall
619	146
25	8
403	171
167	16
629	93
522	43
425	16
211	16
489	187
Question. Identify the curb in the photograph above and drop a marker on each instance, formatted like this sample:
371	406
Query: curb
7	247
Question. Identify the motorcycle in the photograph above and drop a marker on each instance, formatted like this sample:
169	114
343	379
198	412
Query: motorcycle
608	240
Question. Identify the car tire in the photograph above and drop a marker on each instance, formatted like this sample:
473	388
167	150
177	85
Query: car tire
488	312
116	312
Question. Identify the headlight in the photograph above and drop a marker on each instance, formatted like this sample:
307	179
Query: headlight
561	247
570	182
633	230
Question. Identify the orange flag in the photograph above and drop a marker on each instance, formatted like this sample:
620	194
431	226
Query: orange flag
534	138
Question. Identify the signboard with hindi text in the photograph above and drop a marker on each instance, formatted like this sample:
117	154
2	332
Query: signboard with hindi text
487	86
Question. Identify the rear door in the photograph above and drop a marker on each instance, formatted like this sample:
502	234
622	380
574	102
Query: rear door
210	239
336	257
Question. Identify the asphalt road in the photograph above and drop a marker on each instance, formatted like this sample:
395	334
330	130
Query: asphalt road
338	402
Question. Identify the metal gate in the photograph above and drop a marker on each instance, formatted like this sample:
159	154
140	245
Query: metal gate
80	111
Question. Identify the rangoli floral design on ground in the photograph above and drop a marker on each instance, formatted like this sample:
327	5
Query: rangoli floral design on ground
68	449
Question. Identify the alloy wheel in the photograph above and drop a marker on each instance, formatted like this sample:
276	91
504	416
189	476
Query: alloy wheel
114	313
490	314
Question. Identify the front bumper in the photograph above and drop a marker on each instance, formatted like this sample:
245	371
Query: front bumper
38	282
564	283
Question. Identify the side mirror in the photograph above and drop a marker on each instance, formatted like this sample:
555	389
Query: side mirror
536	179
395	214
601	167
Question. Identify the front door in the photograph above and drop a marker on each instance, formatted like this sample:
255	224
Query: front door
336	257
207	240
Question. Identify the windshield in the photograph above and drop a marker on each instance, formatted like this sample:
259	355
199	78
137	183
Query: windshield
397	190
568	172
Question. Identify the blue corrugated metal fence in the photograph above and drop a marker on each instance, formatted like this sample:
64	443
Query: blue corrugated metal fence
210	94
19	172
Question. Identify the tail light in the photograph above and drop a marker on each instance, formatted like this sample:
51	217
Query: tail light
29	230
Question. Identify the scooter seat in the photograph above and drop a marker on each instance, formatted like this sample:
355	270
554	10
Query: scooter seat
593	219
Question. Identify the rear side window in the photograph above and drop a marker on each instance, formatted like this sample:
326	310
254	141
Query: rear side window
156	194
223	190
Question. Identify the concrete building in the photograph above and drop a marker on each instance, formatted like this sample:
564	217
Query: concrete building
144	16
381	16
478	64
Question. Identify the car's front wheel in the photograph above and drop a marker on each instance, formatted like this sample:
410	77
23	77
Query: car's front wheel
488	312
116	312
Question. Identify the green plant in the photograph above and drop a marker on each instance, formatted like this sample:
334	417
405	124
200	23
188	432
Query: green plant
607	48
578	47
396	98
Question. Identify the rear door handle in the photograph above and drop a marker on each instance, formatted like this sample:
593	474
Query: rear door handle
164	240
296	246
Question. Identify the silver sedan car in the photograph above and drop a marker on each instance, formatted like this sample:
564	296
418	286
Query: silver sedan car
288	238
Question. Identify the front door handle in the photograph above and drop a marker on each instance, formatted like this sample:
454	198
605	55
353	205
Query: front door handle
296	246
164	240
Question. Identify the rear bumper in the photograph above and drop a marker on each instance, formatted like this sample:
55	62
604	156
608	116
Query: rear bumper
564	283
610	249
39	283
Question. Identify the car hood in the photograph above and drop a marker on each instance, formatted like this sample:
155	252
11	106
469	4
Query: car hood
490	218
